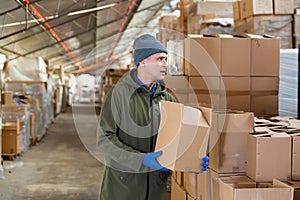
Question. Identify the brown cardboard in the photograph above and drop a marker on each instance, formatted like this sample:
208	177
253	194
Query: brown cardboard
204	90
223	190
178	86
296	186
204	83
244	26
201	182
229	154
264	95
207	100
214	188
202	55
11	138
237	102
190	183
235	56
190	198
265	56
236	85
168	195
264	154
177	192
220	9
296	157
237	90
183	136
245	190
263	85
246	8
180	178
215	54
7	97
283	7
264	105
237	93
204	188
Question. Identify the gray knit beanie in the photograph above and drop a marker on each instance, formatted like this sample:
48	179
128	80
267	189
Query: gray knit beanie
145	46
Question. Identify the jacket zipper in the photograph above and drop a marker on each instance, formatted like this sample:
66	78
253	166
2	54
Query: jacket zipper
151	144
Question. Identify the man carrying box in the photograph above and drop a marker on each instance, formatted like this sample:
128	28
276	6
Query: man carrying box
129	123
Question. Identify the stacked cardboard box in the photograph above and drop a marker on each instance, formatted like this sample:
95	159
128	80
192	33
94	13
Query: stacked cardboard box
178	87
270	18
263	154
263	145
237	188
255	179
210	185
169	28
183	136
244	16
228	140
240	73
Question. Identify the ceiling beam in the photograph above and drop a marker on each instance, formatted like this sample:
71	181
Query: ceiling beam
37	15
42	31
18	7
131	9
76	35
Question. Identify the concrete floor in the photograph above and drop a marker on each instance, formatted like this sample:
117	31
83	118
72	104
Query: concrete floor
62	165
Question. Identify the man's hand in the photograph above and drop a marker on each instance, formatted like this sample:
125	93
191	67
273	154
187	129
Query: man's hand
150	161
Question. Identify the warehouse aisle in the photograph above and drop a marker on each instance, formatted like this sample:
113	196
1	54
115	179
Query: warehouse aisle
59	167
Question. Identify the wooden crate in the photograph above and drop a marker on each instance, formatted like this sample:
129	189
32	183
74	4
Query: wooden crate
11	139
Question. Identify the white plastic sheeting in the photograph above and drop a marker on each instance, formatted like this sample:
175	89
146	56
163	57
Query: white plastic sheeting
27	69
288	87
12	113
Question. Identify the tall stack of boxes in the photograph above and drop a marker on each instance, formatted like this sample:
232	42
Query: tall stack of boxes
244	71
235	69
240	73
252	16
252	159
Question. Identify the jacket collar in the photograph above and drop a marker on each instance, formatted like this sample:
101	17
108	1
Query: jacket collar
152	88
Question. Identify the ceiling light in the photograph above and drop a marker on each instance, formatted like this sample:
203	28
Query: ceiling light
91	9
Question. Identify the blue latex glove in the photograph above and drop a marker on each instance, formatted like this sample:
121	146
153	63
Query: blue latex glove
150	161
204	164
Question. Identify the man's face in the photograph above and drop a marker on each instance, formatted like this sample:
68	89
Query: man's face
156	66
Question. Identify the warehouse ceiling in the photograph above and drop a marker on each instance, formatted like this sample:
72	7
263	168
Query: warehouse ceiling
82	36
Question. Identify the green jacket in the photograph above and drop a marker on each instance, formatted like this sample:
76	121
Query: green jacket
129	122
